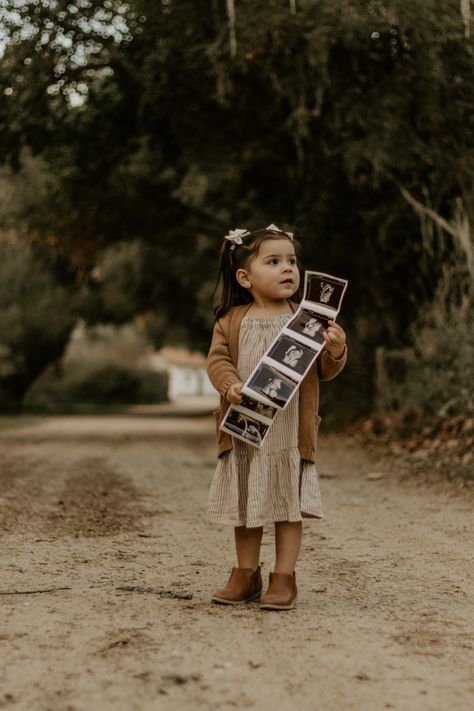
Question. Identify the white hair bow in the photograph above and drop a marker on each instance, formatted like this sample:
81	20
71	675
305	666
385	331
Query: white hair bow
235	236
274	228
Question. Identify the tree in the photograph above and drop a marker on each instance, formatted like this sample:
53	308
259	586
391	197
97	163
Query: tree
350	120
36	318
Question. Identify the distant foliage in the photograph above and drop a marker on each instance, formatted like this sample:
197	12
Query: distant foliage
165	124
36	317
112	384
440	379
107	385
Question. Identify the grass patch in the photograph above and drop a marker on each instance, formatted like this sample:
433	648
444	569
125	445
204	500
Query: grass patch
13	422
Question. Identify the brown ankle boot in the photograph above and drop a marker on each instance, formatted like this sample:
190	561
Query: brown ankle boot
281	593
243	585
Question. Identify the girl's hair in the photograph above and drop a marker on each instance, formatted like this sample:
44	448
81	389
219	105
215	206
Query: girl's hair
231	293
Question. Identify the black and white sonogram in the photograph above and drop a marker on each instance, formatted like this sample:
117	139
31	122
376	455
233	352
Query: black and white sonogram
325	290
258	407
245	426
271	384
307	324
292	354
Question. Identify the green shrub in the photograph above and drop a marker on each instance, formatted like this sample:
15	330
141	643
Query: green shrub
114	384
153	387
109	384
106	385
37	315
440	378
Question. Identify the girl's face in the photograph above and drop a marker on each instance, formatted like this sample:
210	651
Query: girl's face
272	274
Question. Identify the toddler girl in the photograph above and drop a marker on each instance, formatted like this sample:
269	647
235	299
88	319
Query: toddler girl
277	483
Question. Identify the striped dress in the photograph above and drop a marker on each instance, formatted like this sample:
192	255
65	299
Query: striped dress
252	487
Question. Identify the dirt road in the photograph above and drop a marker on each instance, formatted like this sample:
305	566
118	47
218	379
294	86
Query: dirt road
105	519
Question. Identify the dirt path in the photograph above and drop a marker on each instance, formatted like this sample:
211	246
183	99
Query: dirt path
113	511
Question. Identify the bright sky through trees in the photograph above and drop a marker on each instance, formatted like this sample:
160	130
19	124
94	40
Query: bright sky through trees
19	21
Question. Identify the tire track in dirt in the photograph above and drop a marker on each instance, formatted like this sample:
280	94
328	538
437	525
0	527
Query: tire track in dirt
86	497
385	615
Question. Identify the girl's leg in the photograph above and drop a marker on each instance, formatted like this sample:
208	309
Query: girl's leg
288	536
282	591
245	582
247	544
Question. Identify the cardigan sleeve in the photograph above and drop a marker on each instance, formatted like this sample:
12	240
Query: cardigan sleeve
222	372
329	367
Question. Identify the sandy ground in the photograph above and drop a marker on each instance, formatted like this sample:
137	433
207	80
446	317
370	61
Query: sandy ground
105	519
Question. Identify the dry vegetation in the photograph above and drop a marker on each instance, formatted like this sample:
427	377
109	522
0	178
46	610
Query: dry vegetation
440	447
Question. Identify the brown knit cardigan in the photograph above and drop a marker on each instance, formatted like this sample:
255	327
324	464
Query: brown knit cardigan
222	371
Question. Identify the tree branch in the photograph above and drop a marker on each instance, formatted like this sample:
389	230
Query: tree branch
424	210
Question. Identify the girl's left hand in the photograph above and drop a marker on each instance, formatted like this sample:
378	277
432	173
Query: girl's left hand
335	339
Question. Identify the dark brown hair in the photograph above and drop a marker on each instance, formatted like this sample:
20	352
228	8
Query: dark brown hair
231	293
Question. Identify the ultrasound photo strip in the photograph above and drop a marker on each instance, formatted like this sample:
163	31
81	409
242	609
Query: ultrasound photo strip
308	327
249	421
276	377
243	426
323	293
291	356
255	408
270	386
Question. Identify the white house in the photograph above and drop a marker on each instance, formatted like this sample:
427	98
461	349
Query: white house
186	371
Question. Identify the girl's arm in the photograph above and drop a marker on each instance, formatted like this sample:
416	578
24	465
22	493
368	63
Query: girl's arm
329	367
222	373
334	356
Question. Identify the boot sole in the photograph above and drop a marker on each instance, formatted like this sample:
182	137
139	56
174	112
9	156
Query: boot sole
278	607
223	601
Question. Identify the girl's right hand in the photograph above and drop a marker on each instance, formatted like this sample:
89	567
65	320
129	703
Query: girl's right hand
234	394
